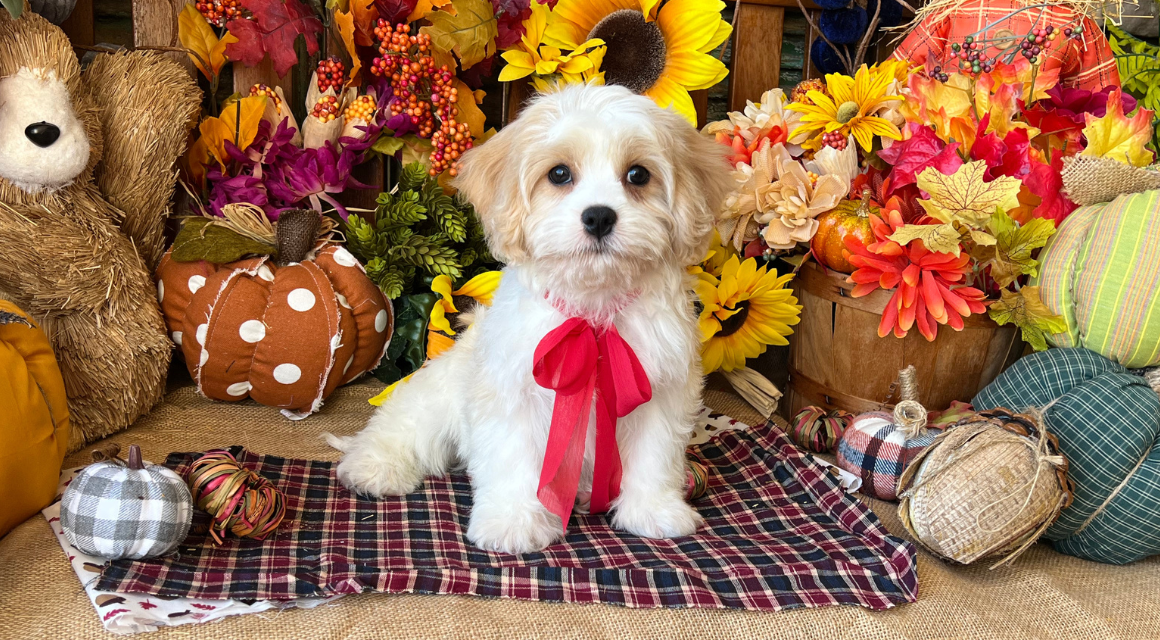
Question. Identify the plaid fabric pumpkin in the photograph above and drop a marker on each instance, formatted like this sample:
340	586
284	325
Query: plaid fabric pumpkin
1107	421
113	510
874	449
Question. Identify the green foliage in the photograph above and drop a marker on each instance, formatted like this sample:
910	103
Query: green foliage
1139	66
418	231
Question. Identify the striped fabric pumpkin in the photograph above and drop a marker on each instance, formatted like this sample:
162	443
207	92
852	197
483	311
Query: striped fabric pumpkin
1101	271
1108	422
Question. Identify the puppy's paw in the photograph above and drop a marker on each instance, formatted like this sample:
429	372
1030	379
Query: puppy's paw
663	518
378	473
513	529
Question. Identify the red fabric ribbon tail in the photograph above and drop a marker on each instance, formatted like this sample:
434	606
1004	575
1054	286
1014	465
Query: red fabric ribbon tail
564	457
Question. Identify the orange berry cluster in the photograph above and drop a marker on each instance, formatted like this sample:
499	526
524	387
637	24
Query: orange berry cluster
331	74
326	109
422	92
363	108
264	90
219	12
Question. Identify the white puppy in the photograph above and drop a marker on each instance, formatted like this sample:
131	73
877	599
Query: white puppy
596	199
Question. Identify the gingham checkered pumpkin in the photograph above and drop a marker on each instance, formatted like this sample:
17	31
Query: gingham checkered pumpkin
126	509
877	450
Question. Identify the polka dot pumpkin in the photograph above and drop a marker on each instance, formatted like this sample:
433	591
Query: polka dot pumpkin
285	335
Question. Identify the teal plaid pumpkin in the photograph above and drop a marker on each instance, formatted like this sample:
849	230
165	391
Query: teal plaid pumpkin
1107	421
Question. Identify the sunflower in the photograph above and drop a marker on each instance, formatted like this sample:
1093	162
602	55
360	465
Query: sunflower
661	51
850	107
531	57
746	310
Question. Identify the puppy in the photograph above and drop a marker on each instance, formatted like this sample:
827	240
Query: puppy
597	200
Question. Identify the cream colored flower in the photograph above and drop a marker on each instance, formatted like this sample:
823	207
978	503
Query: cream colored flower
795	202
737	223
831	162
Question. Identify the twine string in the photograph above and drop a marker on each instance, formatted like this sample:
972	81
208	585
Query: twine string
909	415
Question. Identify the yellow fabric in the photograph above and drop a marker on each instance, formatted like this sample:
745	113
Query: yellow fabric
33	420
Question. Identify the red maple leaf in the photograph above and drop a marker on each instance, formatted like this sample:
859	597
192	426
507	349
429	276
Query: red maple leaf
1046	181
1007	157
114	612
923	149
206	607
148	605
275	27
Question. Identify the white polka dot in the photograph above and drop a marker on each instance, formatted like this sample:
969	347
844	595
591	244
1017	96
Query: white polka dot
201	329
342	300
204	357
344	258
252	331
177	338
301	300
381	321
239	388
265	273
347	367
287	373
335	342
160	291
195	283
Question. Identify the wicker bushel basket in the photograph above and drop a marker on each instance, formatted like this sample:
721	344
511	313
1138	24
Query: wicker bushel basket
837	360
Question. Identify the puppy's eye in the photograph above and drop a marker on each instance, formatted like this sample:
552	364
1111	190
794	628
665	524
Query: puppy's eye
638	175
560	174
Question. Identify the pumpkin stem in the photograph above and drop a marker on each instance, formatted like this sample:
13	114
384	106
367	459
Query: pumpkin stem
909	414
863	210
135	462
295	232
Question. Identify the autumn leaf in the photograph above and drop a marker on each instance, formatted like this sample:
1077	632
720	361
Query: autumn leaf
921	150
1117	136
238	123
346	30
366	15
207	52
275	27
964	197
469	112
423	7
1010	257
1025	309
470	32
940	238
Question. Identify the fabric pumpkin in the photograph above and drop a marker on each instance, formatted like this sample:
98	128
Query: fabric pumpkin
1101	272
284	335
876	450
125	509
34	425
1108	422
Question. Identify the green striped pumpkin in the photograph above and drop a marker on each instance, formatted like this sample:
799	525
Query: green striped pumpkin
1101	271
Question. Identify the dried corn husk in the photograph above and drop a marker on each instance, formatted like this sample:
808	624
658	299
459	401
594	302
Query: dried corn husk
988	486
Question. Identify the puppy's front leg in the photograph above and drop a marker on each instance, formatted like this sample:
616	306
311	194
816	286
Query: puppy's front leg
505	463
652	443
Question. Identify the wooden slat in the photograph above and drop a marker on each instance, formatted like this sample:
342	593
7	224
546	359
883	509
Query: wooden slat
701	104
516	93
756	53
787	4
155	25
246	77
79	24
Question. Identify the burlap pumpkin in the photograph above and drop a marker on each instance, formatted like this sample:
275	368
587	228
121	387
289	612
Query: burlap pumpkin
34	425
1108	423
285	334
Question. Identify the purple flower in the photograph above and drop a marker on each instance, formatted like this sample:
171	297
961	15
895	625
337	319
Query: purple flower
1073	103
314	176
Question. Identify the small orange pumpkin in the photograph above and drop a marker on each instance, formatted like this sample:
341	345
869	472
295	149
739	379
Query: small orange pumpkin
849	218
285	333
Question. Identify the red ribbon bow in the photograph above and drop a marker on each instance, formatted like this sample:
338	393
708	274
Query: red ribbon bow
579	362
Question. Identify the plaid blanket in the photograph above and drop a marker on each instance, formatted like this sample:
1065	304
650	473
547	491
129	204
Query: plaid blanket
779	533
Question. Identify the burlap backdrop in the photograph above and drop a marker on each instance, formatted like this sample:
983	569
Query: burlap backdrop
1043	595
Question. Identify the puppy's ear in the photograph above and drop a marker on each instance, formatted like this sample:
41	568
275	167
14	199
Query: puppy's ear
702	180
489	177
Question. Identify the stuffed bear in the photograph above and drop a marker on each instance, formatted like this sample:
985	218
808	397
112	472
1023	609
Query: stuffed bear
86	178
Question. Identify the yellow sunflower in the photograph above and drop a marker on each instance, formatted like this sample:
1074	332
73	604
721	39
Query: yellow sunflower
659	50
531	57
745	311
850	107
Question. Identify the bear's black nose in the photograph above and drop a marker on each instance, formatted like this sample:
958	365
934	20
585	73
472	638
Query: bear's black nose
42	134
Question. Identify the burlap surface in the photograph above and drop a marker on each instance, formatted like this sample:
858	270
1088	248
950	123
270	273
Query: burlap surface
1044	595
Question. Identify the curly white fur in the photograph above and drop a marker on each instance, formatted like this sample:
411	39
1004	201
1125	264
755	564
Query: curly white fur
478	404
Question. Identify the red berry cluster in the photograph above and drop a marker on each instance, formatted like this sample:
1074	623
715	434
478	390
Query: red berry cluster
331	74
422	92
219	12
835	139
326	109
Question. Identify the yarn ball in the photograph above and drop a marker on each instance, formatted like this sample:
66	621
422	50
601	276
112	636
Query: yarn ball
877	450
825	58
118	508
833	4
1108	424
844	26
814	429
989	486
239	500
889	16
696	480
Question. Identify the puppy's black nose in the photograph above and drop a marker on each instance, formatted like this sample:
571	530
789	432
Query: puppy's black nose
598	221
42	134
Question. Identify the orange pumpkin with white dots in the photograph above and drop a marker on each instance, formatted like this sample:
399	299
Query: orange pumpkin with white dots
283	332
849	218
